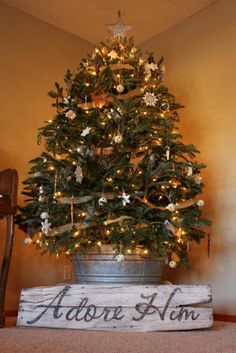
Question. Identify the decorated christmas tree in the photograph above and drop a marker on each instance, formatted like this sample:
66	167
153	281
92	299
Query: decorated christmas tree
114	169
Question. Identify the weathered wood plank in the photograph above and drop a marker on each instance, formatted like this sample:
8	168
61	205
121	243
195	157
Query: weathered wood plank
188	294
115	307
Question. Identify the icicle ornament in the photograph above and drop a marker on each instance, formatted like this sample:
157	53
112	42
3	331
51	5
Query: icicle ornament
168	154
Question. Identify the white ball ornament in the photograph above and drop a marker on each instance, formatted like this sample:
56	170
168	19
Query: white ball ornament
44	215
102	201
171	207
120	88
172	264
117	139
200	203
27	240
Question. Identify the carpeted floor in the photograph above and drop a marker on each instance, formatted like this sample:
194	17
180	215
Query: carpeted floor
220	339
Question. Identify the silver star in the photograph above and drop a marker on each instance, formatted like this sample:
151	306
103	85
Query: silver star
46	227
125	198
86	131
119	29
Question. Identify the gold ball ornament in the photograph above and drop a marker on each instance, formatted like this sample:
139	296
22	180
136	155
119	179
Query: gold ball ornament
120	88
104	51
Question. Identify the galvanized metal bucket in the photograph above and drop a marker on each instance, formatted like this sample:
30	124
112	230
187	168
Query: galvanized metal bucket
100	265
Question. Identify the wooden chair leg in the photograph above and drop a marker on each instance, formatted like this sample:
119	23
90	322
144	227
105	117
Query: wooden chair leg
6	265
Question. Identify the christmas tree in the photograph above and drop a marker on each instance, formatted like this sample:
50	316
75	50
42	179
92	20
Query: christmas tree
114	169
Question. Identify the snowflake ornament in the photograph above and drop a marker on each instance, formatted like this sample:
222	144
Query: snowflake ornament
46	227
86	131
113	54
198	179
150	99
125	198
79	174
70	114
150	67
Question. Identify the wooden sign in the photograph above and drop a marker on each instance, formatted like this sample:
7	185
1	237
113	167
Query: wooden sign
116	307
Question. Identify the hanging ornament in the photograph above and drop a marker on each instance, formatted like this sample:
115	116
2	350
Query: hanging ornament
168	154
172	264
113	54
38	174
150	67
119	29
90	214
198	179
41	192
120	88
70	114
171	207
169	226
44	215
120	258
86	105
79	174
118	138
200	203
27	240
104	50
66	100
190	170
46	227
164	105
100	99
150	99
152	160
125	198
86	131
102	201
114	114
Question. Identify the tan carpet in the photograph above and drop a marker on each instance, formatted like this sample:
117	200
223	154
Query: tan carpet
220	339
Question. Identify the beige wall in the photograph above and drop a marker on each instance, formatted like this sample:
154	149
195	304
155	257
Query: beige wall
33	56
200	57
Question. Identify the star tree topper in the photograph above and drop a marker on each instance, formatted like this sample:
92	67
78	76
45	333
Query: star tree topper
119	29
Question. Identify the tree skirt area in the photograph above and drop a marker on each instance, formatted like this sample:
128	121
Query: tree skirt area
220	339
